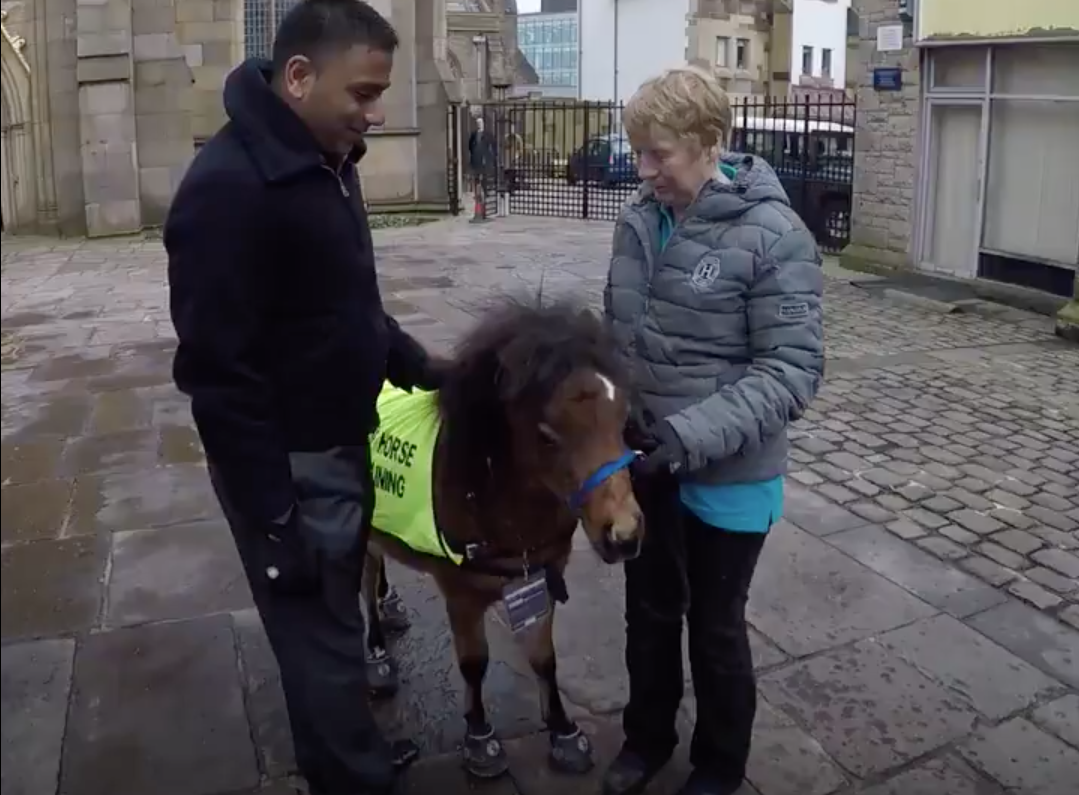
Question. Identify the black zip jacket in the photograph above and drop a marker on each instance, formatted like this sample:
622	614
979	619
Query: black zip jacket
283	342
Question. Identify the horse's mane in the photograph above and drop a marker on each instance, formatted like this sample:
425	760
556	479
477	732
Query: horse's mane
516	357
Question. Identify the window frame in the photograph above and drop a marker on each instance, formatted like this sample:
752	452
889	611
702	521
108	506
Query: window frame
983	97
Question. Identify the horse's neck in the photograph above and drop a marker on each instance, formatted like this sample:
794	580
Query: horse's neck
500	506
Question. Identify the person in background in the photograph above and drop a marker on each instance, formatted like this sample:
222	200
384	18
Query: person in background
714	292
481	157
283	349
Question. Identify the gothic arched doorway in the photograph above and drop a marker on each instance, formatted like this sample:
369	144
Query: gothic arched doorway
17	144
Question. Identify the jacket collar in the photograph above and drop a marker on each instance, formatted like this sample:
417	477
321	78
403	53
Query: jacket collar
280	143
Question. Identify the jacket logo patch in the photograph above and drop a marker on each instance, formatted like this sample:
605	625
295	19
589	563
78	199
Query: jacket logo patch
794	311
706	272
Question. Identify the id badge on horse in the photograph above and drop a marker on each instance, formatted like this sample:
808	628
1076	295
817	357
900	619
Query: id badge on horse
527	602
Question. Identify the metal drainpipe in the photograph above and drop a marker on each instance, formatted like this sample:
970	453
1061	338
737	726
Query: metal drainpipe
615	97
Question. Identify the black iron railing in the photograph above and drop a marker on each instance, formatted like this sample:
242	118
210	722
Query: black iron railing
571	159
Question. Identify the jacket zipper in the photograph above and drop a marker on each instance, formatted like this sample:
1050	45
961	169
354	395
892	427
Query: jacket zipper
340	181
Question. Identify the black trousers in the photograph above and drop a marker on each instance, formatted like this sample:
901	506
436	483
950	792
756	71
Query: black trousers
689	572
318	638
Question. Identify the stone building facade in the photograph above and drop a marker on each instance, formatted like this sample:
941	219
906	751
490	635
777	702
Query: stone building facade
752	38
968	171
885	151
106	101
97	114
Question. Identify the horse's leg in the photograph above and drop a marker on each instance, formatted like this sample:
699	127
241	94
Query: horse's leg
482	752
382	679
571	750
392	610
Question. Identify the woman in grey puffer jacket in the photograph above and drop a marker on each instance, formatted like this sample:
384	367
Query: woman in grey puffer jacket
714	292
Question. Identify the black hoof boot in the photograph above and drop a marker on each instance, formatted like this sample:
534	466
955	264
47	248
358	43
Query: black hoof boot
393	614
483	755
571	753
382	676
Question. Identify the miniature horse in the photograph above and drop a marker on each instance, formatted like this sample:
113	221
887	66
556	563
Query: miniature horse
527	443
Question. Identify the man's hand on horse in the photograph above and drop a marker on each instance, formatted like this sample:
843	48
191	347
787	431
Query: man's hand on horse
433	374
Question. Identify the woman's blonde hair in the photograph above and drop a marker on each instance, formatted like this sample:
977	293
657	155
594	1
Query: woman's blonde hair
686	102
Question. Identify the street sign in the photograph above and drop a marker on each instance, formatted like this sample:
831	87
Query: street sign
887	78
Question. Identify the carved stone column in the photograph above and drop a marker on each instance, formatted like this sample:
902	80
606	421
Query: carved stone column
41	117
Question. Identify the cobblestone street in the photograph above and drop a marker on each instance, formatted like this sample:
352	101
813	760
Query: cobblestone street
915	616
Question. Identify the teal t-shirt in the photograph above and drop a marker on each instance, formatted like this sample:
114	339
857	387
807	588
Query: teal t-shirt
738	507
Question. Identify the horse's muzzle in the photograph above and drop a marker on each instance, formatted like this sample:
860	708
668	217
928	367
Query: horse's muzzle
619	550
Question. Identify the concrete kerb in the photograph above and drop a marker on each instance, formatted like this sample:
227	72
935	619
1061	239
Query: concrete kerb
890	264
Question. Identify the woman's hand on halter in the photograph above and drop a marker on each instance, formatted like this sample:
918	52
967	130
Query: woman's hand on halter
664	451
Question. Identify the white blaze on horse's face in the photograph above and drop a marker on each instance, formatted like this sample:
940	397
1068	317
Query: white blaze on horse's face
609	389
593	419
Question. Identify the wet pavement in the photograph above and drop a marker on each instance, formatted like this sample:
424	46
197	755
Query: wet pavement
915	617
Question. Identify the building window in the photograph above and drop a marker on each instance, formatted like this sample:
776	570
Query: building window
807	60
741	56
723	49
1008	212
825	63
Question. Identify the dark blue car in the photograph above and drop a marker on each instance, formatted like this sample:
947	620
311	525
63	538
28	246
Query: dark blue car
606	159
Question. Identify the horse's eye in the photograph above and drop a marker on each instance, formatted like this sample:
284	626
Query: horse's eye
548	435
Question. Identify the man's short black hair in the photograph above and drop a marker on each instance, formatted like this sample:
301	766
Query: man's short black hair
315	28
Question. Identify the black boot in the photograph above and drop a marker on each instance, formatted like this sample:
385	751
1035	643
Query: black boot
700	783
630	774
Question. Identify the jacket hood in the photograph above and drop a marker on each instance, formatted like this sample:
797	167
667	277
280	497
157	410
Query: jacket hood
278	140
753	183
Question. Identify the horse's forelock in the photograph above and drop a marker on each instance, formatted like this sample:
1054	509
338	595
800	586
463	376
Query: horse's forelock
518	354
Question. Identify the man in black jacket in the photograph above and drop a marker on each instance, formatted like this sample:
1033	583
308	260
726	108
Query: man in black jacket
283	348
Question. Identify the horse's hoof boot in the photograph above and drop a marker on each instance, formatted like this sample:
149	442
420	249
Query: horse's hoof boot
571	753
484	755
393	614
382	675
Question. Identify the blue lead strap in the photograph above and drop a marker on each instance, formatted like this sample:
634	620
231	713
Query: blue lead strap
601	475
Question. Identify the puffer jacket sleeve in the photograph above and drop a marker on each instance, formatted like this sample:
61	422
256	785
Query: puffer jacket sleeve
786	342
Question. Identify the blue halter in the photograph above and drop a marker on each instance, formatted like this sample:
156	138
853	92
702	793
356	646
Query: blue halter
601	476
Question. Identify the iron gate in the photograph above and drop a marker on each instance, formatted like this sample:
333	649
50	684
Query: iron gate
571	159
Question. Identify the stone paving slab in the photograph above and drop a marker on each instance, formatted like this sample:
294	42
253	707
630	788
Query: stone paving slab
985	676
159	709
808	596
36	681
925	576
1061	718
870	710
1022	757
946	776
914	618
174	572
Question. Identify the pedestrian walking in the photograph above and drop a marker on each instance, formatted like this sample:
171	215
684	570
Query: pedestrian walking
283	349
481	160
714	292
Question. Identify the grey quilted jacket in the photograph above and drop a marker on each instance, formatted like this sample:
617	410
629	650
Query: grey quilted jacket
723	327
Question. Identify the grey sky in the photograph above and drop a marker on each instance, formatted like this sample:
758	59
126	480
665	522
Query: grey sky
527	6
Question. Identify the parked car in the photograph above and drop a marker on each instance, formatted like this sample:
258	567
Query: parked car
606	159
814	161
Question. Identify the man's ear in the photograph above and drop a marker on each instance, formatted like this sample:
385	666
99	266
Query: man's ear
298	77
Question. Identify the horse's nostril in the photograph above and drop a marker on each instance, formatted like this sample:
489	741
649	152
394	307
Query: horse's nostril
622	548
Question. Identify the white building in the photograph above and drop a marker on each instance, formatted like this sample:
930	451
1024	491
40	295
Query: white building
819	43
625	42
